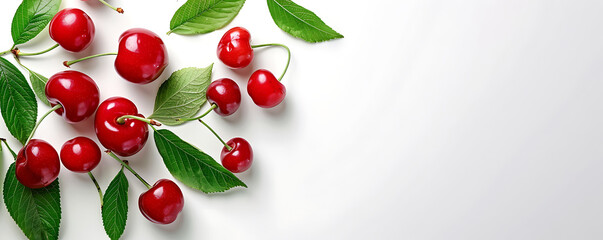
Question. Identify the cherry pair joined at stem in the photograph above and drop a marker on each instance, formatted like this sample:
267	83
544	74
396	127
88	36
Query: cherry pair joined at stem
162	202
141	57
236	51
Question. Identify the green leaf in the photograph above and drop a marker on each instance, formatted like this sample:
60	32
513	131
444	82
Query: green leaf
31	18
191	166
203	16
36	211
182	95
17	101
115	208
300	22
38	82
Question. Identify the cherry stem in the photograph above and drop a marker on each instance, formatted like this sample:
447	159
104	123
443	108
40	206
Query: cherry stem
6	52
122	120
288	55
215	134
69	63
213	106
100	192
19	53
129	168
119	10
40	121
9	149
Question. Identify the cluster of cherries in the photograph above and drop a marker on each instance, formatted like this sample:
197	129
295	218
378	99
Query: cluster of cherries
119	127
141	58
224	95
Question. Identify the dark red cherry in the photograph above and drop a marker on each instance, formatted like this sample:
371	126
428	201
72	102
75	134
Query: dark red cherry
162	203
37	164
239	158
141	56
76	92
234	49
225	93
72	28
80	154
123	139
264	89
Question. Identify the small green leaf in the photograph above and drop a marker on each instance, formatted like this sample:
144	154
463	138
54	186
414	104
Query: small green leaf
203	16
36	211
17	101
38	82
115	208
31	18
191	166
300	22
182	95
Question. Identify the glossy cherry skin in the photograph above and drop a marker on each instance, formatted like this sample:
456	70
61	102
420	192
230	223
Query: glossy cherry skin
234	49
80	154
76	92
72	28
239	158
162	203
123	139
225	93
264	89
37	164
141	57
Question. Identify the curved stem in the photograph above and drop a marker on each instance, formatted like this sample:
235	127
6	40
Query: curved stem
215	134
213	106
119	10
9	149
19	53
69	63
100	192
129	168
40	121
280	45
122	120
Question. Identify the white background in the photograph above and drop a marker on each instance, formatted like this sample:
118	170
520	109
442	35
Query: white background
429	120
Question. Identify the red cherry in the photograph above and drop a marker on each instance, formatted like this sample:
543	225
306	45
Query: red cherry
123	139
80	154
162	203
141	57
239	158
225	93
73	29
264	89
76	92
37	164
234	49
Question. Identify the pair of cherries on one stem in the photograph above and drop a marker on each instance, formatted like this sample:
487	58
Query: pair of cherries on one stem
236	51
141	56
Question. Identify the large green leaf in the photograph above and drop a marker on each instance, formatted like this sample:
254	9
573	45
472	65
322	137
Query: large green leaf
191	166
203	16
115	208
182	95
300	22
36	211
31	18
17	101
38	82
